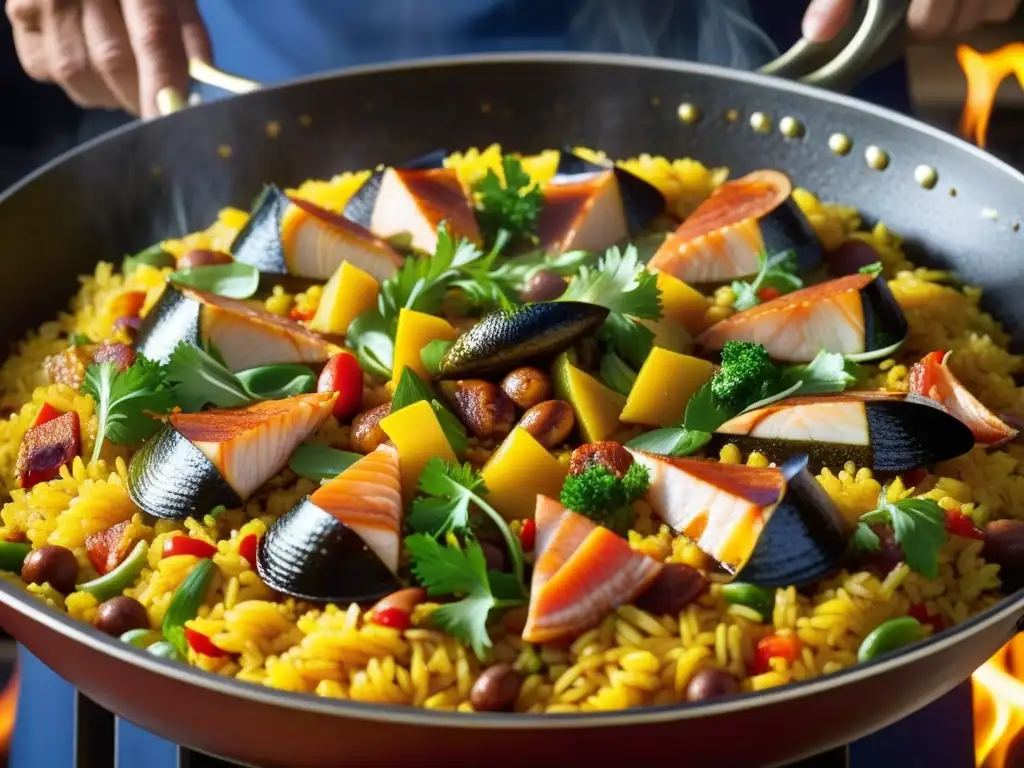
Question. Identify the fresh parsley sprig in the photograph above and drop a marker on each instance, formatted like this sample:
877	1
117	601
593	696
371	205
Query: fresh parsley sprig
777	272
513	207
125	401
919	527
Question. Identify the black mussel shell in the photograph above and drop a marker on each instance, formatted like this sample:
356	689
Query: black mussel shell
885	325
259	241
900	432
173	319
360	207
172	479
641	202
786	228
310	555
806	537
506	339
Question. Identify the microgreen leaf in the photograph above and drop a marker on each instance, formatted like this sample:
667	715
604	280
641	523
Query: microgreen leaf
199	379
235	280
919	527
777	271
432	353
874	269
321	462
274	382
671	441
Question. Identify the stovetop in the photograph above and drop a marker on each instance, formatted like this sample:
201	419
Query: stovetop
59	728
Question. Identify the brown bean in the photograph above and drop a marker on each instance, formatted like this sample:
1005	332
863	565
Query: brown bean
527	386
121	614
888	555
201	257
545	285
366	434
404	600
482	407
609	454
550	422
677	586
710	684
496	690
53	565
1004	545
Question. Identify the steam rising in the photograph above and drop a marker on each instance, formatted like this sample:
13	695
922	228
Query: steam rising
713	31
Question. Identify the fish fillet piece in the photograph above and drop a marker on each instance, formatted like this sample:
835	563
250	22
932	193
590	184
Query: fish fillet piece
250	445
583	572
585	214
416	202
367	497
832	420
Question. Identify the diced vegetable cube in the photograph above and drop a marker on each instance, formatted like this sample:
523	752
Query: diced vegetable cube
418	436
663	387
415	331
519	457
348	293
682	303
596	406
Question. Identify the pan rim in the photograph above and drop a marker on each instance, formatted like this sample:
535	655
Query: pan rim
76	631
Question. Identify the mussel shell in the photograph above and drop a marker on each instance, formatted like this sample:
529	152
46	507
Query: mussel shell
885	325
311	555
170	478
259	241
786	228
173	319
806	537
641	202
506	339
360	206
904	431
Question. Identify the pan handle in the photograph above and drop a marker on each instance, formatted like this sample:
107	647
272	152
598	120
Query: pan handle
879	40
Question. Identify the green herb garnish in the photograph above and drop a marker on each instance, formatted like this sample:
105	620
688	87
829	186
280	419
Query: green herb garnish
605	498
321	462
432	353
919	527
871	269
513	207
78	340
275	382
412	389
200	379
125	401
235	280
777	271
154	256
185	602
671	441
616	374
747	374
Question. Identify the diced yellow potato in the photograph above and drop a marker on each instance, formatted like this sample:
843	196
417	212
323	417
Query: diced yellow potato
415	331
682	303
348	293
596	406
669	333
418	436
519	470
663	387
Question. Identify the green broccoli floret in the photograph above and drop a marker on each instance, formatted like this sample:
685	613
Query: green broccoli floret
605	498
746	376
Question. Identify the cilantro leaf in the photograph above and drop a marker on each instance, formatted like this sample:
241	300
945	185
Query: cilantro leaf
512	207
627	338
705	413
828	372
124	401
671	441
199	379
919	527
866	539
619	282
466	620
777	271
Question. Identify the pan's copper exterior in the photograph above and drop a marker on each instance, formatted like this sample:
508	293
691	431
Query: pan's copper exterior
160	179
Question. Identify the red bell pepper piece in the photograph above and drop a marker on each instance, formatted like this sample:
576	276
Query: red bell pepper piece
200	643
768	293
919	611
959	524
46	413
393	617
186	545
247	548
774	647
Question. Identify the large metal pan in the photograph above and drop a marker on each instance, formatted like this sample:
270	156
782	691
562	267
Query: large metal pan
162	178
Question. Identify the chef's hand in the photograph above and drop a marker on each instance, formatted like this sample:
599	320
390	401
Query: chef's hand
110	53
927	19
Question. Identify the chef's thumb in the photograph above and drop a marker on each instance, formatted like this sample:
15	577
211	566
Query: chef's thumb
154	29
825	19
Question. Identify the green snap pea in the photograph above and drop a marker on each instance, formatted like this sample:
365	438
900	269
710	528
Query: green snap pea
752	596
114	583
12	555
889	636
185	604
140	638
165	650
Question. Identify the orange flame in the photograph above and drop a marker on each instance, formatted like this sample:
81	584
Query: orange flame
985	72
8	710
998	693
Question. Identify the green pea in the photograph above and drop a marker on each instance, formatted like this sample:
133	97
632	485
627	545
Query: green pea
164	650
889	636
752	596
140	638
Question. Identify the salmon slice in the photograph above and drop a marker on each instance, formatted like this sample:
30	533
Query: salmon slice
250	445
796	327
316	242
416	202
584	572
367	497
722	507
585	214
558	535
248	336
824	420
721	240
932	378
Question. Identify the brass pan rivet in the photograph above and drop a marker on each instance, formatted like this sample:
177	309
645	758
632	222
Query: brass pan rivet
485	107
305	121
224	150
273	129
952	192
1016	226
688	113
791	128
840	144
876	158
926	176
990	213
156	170
732	115
655	101
761	122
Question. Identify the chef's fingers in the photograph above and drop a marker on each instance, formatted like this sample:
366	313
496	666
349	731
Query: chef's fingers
929	19
27	25
155	33
825	19
193	32
1000	10
68	55
111	51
